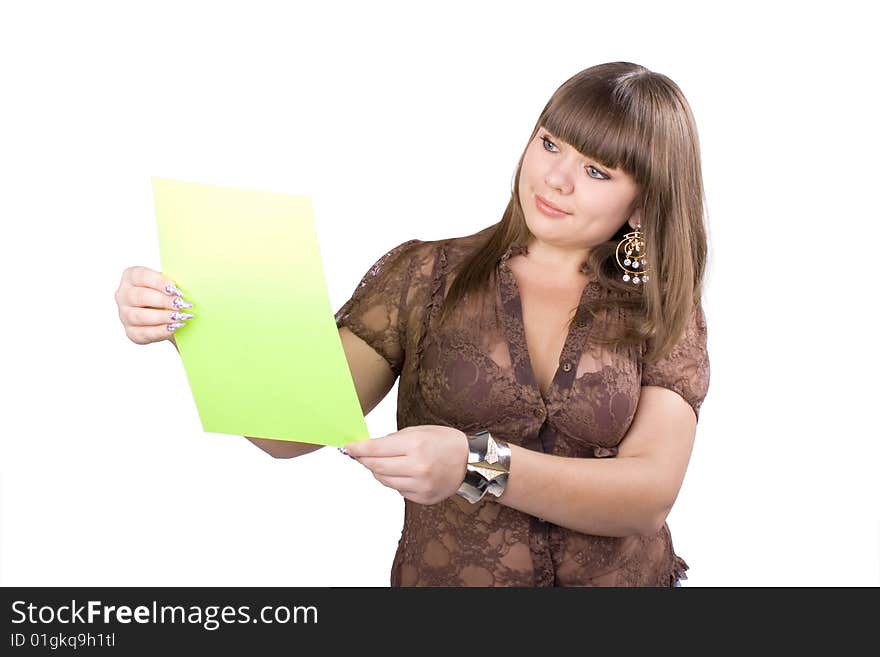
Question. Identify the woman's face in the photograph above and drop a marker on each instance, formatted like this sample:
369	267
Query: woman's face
597	200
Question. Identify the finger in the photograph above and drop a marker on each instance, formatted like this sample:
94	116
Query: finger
394	444
135	316
148	334
147	297
397	466
403	485
146	277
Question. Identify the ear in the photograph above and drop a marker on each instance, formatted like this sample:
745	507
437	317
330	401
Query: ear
636	218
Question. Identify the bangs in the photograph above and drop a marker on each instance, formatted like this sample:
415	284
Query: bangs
599	129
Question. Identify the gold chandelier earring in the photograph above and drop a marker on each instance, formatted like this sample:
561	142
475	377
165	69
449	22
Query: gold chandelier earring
633	252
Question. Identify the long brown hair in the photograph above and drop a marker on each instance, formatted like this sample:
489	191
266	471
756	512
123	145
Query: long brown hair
624	116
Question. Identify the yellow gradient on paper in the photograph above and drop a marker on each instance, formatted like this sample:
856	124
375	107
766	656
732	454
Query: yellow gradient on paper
262	354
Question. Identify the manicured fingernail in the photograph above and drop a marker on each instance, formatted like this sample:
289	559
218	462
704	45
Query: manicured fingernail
172	289
342	450
178	302
176	325
178	315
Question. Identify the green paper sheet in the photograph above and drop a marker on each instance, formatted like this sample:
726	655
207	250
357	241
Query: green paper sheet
262	354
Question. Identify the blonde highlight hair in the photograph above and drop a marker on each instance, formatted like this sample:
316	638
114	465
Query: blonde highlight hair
624	116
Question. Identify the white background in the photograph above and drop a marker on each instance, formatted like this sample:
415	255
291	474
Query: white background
406	120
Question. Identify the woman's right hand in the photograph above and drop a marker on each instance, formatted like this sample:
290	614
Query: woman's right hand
151	308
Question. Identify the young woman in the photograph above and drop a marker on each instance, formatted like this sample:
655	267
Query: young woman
552	365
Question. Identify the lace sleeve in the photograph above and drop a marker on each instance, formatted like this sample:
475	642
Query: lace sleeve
376	311
685	369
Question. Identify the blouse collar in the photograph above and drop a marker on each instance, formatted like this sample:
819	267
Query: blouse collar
517	249
513	250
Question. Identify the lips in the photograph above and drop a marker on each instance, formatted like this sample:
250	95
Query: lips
547	203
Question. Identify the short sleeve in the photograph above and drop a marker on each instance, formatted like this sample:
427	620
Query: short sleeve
376	311
685	369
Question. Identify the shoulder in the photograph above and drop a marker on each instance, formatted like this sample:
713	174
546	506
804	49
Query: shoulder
432	257
453	251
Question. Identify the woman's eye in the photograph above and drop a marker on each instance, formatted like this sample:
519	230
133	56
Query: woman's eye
601	175
547	141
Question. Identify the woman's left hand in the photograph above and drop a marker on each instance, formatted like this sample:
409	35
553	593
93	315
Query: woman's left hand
425	463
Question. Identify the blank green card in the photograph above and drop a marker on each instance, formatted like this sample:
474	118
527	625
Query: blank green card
262	354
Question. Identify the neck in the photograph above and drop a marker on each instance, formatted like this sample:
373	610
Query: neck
556	261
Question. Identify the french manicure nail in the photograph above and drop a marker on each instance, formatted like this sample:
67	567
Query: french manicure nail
179	302
176	325
177	316
172	289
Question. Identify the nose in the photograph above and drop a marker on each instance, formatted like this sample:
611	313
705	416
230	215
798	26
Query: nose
559	177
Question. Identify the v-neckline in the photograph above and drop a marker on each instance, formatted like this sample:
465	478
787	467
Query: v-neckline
518	344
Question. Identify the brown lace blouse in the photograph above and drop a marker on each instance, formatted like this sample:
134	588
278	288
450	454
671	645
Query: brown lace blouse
482	379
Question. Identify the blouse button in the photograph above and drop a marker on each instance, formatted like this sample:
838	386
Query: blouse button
566	367
538	412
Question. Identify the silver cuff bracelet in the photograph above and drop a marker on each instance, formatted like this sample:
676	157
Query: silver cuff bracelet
487	467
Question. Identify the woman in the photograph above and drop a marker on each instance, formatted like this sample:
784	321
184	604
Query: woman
552	366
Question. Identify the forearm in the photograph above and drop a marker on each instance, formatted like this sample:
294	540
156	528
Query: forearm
284	449
604	497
